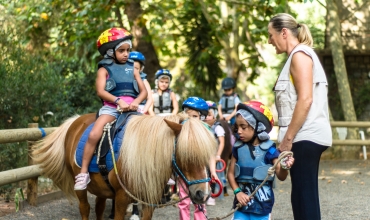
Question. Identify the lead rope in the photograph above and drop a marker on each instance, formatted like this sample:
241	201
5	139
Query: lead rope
106	129
270	172
126	190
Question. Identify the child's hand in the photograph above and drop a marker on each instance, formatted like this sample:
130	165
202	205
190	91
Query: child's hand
287	162
134	106
242	198
214	176
123	105
227	118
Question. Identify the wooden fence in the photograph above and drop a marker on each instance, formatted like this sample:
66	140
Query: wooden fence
33	133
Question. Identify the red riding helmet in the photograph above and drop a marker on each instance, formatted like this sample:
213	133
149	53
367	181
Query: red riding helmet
261	112
110	38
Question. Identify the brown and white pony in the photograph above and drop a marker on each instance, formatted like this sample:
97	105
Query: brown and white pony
144	164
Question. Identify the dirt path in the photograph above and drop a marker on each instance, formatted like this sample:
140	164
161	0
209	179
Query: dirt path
344	194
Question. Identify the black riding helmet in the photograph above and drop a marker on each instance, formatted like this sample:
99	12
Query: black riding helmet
228	83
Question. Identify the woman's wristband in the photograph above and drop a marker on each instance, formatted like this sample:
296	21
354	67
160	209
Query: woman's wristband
237	190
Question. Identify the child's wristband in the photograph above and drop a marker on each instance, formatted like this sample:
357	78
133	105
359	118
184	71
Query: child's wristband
117	99
237	190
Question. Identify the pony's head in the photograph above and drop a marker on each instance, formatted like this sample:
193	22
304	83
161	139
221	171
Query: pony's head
194	147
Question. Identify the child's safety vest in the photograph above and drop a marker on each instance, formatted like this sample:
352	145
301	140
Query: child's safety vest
228	103
249	170
162	103
121	81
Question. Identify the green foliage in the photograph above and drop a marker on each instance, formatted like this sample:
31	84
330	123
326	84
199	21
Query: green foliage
203	62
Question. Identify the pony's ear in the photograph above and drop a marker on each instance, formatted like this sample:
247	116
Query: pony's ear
174	126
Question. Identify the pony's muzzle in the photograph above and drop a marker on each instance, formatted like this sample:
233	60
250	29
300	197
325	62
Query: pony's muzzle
199	195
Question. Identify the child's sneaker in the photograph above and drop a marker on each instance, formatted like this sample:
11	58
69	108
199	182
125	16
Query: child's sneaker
211	201
82	180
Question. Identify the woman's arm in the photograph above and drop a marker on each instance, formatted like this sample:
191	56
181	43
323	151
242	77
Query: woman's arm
301	71
175	104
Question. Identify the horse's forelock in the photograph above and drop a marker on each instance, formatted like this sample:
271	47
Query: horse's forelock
146	154
195	145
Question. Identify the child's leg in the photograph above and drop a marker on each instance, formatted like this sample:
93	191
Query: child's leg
184	205
83	178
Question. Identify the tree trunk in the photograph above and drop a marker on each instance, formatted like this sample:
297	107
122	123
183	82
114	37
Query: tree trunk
142	40
340	70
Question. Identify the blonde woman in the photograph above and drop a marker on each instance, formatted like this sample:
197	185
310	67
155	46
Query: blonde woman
302	104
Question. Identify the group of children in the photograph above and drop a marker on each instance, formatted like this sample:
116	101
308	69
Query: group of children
121	84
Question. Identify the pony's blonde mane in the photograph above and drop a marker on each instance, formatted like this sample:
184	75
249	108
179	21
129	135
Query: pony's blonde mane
49	153
147	149
196	144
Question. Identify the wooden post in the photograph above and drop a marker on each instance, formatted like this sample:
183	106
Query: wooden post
31	183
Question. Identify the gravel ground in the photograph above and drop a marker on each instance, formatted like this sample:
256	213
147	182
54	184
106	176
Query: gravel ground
344	194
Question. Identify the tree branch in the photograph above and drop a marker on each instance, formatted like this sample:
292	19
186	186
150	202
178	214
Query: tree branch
249	38
223	42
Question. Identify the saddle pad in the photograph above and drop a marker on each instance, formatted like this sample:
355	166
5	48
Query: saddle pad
117	142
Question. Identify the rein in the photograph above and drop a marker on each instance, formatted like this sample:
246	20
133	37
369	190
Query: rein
270	172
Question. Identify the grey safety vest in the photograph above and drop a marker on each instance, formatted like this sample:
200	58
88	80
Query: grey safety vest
121	81
249	170
228	103
162	103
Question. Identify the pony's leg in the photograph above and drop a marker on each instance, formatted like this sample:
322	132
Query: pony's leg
84	204
99	207
147	212
121	201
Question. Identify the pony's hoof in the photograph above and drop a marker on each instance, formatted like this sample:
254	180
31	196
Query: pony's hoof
134	217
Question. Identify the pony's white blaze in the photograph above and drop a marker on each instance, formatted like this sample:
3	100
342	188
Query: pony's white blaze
207	191
207	188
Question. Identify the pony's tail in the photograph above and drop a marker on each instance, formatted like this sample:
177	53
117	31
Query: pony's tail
49	153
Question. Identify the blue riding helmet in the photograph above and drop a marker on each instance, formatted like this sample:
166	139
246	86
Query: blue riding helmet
137	56
197	104
211	105
163	72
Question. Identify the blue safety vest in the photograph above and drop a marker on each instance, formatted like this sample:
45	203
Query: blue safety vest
121	80
249	170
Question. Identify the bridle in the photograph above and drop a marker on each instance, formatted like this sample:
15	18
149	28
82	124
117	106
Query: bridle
181	174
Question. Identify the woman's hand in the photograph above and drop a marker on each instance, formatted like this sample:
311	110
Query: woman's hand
242	198
285	145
